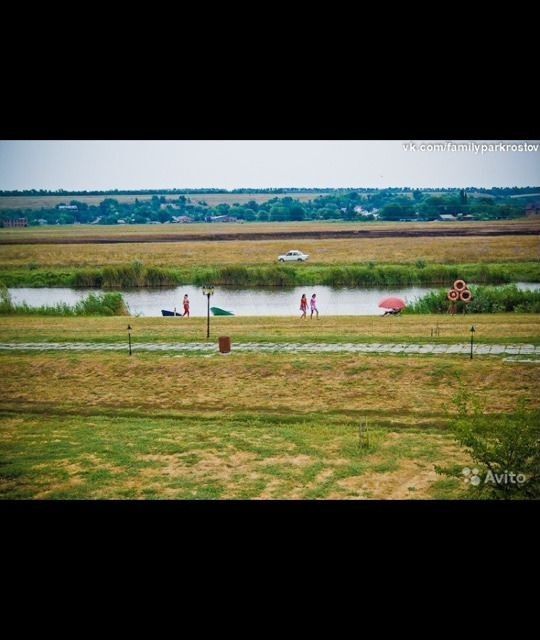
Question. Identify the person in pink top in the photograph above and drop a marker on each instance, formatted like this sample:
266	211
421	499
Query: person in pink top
303	306
313	305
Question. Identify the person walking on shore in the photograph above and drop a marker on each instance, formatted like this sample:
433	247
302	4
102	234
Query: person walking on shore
313	305
303	306
186	306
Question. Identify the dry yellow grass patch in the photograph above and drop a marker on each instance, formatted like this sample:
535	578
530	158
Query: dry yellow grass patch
414	477
213	464
391	485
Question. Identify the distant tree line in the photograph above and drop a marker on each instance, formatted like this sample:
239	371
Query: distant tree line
355	205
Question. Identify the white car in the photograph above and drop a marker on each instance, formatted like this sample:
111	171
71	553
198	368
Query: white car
297	256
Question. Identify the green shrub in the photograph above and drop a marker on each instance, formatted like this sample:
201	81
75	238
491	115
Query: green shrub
6	305
505	449
485	300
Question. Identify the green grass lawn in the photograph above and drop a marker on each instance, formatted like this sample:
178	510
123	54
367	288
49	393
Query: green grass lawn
231	457
503	328
104	425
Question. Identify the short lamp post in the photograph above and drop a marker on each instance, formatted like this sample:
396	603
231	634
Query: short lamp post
129	338
208	291
472	339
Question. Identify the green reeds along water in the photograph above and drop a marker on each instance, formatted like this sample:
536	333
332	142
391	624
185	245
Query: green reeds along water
137	274
485	300
94	304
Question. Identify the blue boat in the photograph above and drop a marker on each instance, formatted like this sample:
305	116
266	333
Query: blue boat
164	312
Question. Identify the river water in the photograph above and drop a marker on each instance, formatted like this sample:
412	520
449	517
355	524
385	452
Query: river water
263	301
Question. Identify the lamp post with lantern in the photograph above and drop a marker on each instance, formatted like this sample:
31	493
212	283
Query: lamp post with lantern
129	338
208	291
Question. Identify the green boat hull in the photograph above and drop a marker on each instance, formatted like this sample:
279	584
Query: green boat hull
220	312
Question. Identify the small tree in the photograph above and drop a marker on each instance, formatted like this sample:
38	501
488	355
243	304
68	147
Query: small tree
505	449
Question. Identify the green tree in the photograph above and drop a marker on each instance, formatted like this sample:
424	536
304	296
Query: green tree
278	214
109	204
296	213
327	214
392	212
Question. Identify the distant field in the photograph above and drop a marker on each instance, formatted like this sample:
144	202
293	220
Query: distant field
265	252
211	199
171	232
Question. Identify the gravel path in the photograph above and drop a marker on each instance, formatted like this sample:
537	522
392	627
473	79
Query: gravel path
281	347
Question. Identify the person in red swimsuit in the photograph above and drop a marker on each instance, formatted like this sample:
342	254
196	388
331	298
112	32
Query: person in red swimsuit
186	306
303	306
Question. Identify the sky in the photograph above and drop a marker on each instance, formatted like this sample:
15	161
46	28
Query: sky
230	164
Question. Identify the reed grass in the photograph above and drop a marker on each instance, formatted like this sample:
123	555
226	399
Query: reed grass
370	274
101	304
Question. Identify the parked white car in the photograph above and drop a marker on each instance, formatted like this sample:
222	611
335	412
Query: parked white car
295	255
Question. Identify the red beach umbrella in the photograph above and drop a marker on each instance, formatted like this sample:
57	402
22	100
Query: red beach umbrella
392	303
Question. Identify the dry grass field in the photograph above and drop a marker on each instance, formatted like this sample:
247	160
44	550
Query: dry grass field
401	391
265	252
